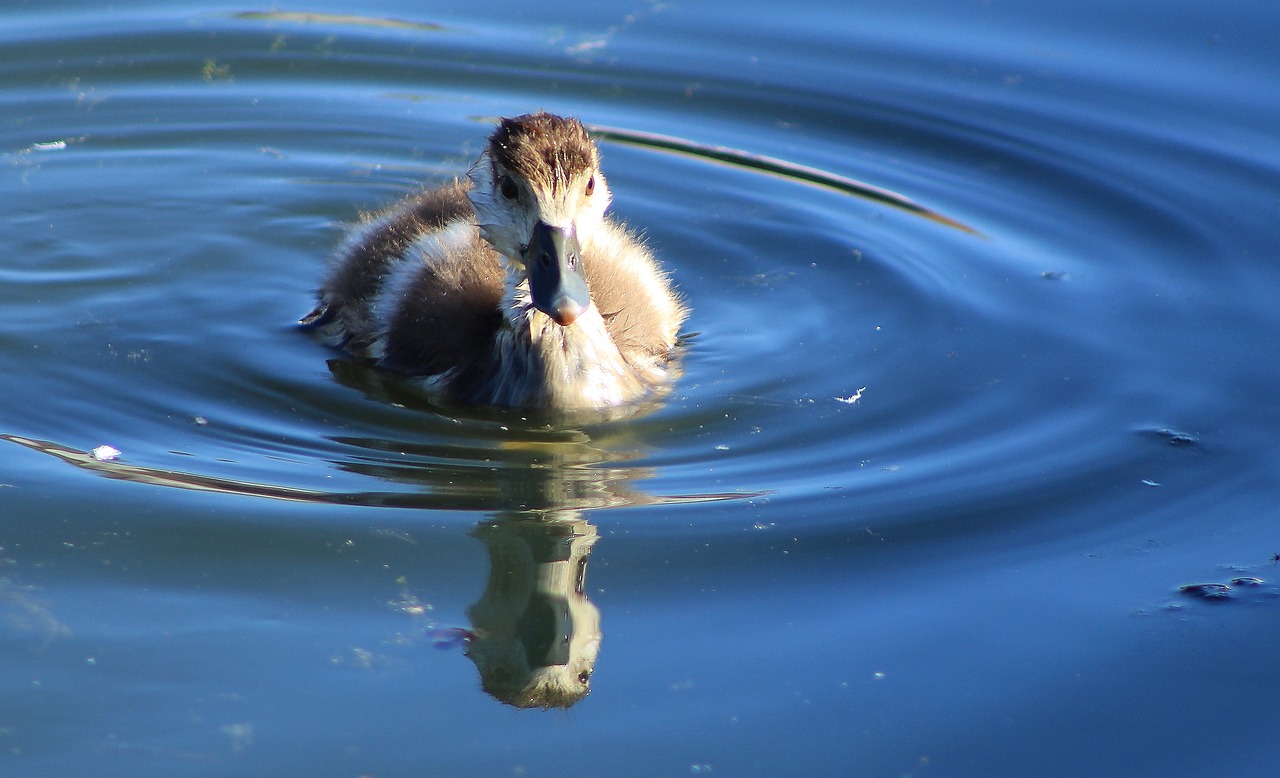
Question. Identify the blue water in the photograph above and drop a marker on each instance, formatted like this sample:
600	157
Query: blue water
922	502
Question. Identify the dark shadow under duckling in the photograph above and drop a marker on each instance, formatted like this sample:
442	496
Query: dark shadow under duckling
511	288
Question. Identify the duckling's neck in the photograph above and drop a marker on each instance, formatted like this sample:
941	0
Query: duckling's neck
545	364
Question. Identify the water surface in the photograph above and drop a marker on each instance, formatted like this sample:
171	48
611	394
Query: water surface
983	373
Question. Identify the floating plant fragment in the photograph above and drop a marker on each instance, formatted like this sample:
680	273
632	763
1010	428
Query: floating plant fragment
1207	591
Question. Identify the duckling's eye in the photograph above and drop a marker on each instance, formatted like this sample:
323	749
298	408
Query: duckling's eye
509	188
591	185
584	678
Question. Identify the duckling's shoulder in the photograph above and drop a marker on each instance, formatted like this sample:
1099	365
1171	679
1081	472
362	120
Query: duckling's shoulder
632	292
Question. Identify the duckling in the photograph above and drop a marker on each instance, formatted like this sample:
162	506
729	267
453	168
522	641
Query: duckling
510	288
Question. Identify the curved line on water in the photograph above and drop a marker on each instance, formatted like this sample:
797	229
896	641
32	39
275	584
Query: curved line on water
308	17
123	471
776	167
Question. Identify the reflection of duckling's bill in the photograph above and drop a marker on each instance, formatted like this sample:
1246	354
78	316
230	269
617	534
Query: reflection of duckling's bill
535	635
512	288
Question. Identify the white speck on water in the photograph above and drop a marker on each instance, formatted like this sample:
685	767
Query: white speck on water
853	398
105	453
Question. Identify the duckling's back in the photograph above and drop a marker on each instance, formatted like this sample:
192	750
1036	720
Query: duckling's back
376	254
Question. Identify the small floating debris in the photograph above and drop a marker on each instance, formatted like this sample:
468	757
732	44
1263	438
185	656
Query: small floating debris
1223	591
105	453
1149	482
1176	438
1207	591
59	144
853	398
211	71
1054	275
1172	437
586	46
1247	580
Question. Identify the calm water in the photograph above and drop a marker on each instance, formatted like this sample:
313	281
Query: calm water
922	503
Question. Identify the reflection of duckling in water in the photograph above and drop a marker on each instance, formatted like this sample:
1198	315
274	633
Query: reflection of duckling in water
534	634
512	288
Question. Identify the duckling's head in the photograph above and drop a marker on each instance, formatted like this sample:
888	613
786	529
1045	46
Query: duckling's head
539	196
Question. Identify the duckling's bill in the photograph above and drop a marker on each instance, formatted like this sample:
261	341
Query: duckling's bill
557	281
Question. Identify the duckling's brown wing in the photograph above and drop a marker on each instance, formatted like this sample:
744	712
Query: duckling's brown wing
366	261
447	316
